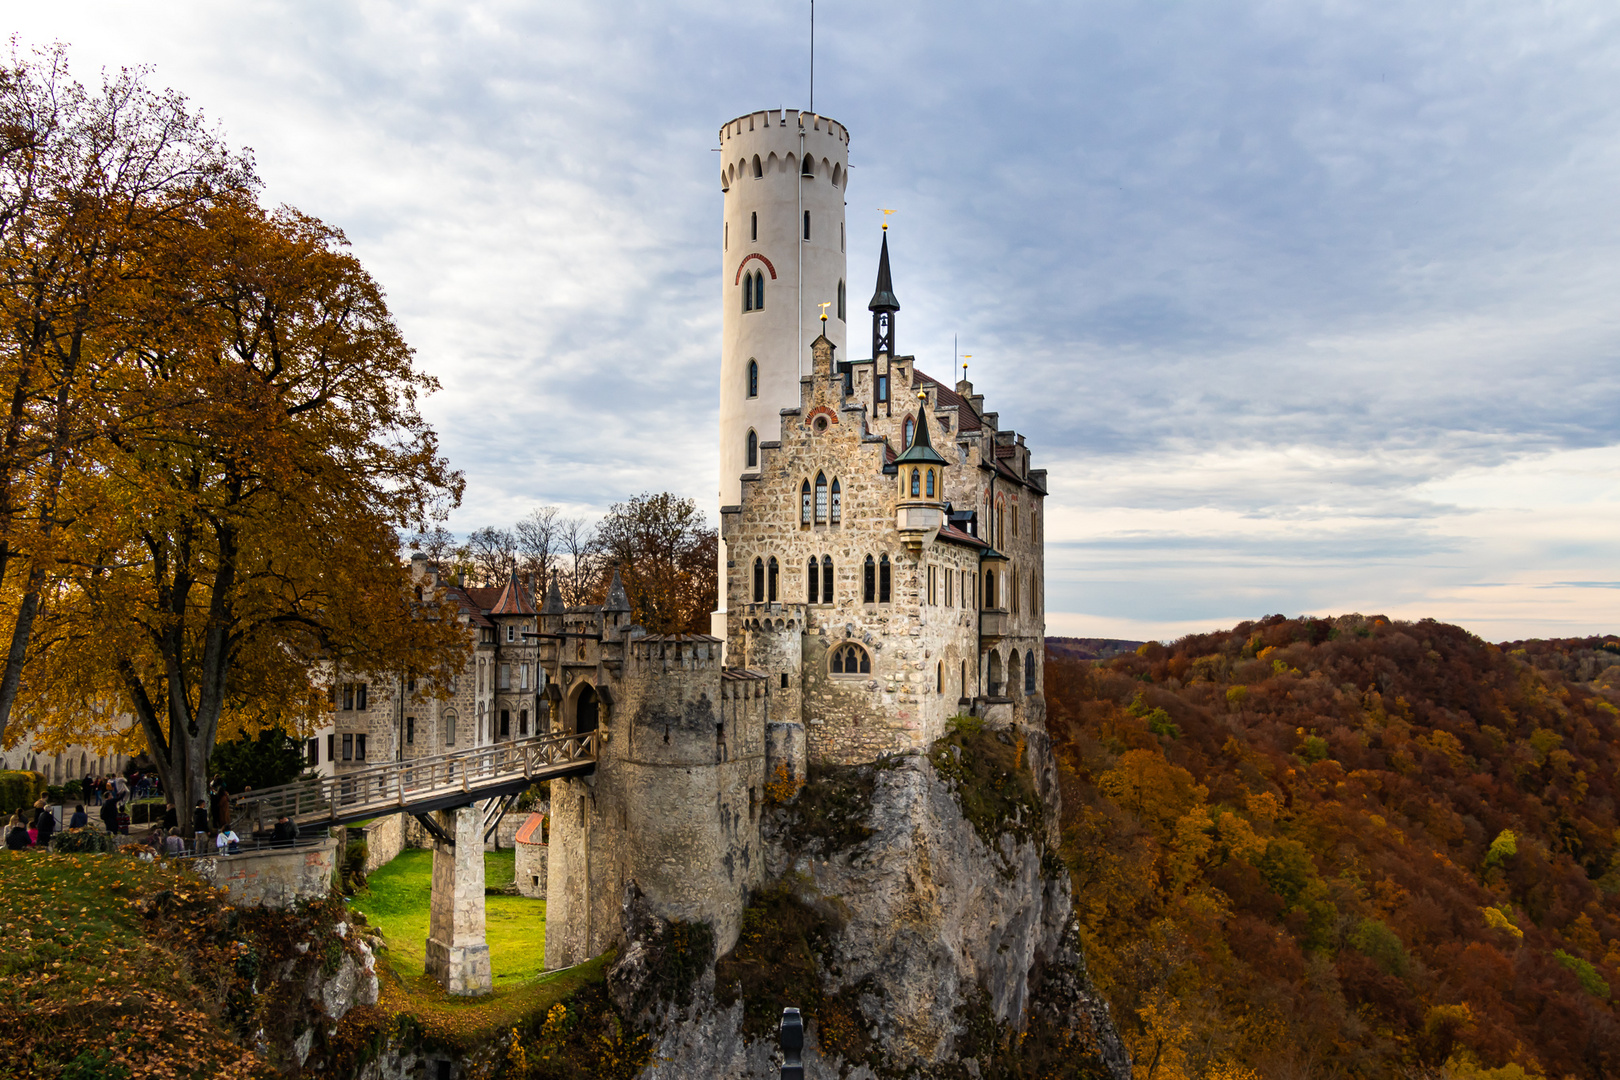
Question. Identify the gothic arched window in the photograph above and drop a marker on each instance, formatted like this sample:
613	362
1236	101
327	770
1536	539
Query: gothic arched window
883	579
804	503
753	449
911	432
758	172
826	579
759	581
989	588
821	498
753	378
759	291
850	659
748	292
1029	672
916	483
836	513
869	582
812	590
930	483
773	575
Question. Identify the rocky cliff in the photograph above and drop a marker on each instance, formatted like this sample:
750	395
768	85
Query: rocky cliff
916	915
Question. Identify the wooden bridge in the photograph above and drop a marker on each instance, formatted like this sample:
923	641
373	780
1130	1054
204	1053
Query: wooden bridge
418	785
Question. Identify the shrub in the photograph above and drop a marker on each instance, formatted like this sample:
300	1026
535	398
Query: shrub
82	841
1505	846
20	788
991	778
55	793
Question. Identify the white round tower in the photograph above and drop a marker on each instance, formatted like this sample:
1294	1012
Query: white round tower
783	173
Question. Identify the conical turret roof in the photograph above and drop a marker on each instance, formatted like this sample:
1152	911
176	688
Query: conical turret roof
884	299
921	450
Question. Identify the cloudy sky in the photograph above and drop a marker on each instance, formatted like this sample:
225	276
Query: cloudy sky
1308	308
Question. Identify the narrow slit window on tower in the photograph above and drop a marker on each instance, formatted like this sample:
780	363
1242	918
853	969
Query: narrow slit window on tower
884	579
826	579
759	580
804	503
759	291
869	582
753	450
950	580
840	248
836	513
753	378
773	576
821	499
841	298
807	224
812	592
753	225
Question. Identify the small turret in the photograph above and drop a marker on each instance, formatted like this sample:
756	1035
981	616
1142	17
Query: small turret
617	602
920	510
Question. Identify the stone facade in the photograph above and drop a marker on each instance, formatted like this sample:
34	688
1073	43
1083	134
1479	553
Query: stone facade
457	955
273	877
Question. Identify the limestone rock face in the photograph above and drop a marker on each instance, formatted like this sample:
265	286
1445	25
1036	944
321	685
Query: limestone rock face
932	929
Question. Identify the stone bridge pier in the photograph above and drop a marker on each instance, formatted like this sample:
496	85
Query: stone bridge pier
457	954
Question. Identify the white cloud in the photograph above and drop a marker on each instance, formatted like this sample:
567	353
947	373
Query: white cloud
1306	307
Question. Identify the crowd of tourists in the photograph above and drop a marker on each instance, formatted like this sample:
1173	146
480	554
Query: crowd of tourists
206	830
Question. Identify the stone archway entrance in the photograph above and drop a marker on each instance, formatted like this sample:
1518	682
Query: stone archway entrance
587	709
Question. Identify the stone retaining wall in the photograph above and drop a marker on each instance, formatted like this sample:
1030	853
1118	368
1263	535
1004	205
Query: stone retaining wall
276	878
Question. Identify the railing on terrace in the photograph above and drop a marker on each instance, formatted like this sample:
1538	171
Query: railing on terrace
415	785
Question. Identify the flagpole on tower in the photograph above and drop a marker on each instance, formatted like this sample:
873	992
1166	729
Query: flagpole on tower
812	56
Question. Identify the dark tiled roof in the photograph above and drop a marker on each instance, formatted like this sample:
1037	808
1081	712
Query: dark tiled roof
966	418
484	598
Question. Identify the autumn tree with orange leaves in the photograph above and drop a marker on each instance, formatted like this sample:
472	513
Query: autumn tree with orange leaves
243	450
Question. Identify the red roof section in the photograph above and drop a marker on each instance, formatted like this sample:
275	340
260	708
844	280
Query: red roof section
470	607
951	534
530	831
514	600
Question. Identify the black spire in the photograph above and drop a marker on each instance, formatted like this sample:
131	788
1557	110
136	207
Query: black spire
883	305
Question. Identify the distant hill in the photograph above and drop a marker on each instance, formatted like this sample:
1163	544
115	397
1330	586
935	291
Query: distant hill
1089	648
1349	847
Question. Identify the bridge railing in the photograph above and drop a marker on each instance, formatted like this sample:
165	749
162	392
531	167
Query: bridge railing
397	785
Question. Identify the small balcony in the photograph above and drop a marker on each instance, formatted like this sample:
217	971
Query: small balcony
994	624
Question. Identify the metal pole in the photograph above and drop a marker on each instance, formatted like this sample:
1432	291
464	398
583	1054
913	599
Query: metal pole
791	1039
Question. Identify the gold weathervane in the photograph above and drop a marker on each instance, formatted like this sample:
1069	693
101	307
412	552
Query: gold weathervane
825	304
886	214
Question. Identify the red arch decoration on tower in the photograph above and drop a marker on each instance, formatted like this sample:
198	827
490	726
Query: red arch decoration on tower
753	255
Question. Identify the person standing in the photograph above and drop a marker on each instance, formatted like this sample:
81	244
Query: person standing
109	815
88	786
44	826
120	787
171	816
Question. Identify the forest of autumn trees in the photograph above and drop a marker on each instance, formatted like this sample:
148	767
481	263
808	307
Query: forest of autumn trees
1359	848
663	549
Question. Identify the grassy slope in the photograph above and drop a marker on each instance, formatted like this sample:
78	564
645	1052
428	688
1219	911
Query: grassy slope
396	903
83	981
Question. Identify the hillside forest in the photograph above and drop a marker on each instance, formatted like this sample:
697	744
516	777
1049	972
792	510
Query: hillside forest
1348	848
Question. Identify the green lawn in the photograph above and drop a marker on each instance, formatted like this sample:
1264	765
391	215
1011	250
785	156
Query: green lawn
396	903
